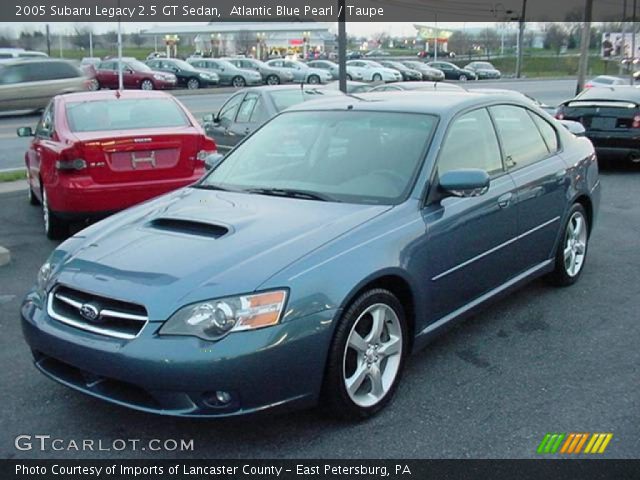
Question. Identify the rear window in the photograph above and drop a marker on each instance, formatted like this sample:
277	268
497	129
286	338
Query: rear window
284	99
125	114
624	94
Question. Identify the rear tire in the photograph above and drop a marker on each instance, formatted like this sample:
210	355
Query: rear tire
366	356
572	249
54	227
193	84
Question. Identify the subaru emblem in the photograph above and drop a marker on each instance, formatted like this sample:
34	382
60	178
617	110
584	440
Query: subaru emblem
89	312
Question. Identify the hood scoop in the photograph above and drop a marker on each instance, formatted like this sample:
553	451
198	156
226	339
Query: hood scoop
189	227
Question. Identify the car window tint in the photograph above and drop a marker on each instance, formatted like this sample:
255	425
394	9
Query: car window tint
246	108
471	143
13	74
229	109
521	140
52	71
548	132
125	114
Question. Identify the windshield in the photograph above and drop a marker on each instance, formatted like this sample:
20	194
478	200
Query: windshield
138	66
359	157
374	64
121	114
414	64
183	65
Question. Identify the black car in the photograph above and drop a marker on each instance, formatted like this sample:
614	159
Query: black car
484	70
453	72
611	118
407	73
188	76
248	109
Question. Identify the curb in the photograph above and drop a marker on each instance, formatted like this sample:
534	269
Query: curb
18	185
5	256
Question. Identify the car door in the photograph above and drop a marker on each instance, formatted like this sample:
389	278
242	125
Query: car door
531	151
44	149
470	241
107	73
246	122
222	130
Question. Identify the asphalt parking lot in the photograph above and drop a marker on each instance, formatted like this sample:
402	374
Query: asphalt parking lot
542	360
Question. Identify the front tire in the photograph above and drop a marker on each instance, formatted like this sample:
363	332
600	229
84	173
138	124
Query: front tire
94	85
377	78
366	356
273	80
463	78
572	250
314	80
147	85
54	227
349	77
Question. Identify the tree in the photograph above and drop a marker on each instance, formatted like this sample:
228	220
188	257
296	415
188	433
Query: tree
30	40
245	40
380	38
111	38
556	37
460	42
137	39
81	36
489	40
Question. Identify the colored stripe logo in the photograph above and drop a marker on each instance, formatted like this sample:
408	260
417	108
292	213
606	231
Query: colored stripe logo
573	443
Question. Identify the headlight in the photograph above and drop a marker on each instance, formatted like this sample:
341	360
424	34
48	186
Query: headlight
44	275
157	76
213	319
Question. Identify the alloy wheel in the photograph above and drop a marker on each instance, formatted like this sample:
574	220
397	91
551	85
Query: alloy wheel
193	84
239	82
575	244
146	85
273	80
373	355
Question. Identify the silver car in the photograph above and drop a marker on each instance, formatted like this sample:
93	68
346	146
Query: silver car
30	84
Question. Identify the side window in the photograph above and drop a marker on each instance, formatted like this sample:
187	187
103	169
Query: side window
277	64
54	70
14	74
107	66
228	111
548	132
521	139
45	125
246	108
471	143
259	114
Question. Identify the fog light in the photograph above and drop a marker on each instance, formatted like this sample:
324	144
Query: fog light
218	399
223	397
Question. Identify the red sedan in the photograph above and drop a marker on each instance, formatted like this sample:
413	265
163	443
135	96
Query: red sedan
95	153
135	74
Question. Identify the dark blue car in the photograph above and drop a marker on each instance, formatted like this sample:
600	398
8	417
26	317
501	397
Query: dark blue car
325	248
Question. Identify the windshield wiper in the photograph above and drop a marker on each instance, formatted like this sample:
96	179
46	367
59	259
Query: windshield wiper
206	186
291	193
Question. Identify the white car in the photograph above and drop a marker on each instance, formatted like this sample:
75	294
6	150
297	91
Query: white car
301	71
374	72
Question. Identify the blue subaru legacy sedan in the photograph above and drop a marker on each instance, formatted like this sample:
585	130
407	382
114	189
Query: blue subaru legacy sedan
316	256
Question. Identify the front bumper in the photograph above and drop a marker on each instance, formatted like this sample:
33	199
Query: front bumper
172	375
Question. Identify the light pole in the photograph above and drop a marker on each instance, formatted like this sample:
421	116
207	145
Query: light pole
305	43
521	25
260	39
342	46
584	45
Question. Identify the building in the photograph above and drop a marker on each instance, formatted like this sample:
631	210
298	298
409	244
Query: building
256	39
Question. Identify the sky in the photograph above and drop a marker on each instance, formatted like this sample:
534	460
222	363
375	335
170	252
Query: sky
354	28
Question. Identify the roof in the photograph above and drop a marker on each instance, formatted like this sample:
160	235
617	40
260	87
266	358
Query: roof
429	102
112	95
233	27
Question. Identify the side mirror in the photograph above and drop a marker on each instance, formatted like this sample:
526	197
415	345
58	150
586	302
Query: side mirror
465	183
25	132
213	160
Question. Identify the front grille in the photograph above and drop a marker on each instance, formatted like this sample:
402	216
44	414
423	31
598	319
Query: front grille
97	314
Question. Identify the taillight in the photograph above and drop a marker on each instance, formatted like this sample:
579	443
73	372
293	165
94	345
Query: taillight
588	85
207	147
70	161
636	122
560	115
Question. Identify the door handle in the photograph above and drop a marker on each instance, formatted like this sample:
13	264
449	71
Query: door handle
505	200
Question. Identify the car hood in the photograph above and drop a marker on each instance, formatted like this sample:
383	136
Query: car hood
194	244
